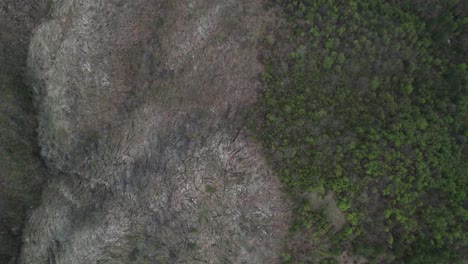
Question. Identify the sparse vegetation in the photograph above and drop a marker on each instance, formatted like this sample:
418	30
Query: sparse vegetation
210	189
372	107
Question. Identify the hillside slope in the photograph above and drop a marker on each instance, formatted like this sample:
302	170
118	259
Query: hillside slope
141	107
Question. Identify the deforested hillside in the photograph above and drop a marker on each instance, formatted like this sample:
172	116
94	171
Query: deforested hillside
233	131
140	123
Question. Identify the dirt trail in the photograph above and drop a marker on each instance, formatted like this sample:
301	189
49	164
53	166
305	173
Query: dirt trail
141	122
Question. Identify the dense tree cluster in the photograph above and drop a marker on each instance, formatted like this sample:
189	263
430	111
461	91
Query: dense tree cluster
370	103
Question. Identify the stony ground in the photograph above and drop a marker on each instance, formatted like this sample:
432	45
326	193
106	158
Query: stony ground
140	109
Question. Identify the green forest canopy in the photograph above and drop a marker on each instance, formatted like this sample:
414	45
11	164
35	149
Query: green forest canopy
370	103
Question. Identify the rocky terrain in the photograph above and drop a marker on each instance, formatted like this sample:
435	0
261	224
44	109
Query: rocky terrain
140	108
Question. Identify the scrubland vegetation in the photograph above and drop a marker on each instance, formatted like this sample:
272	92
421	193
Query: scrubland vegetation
368	100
